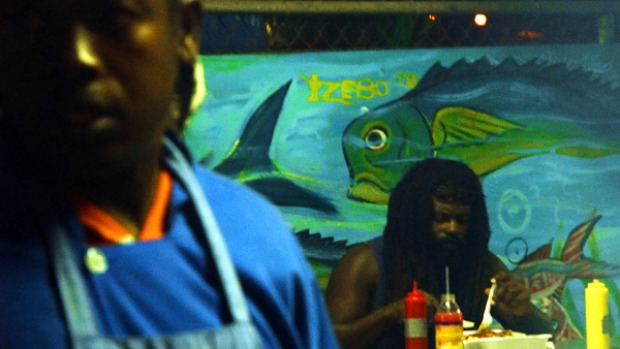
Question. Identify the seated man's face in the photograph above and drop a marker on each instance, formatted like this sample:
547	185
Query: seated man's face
450	223
450	220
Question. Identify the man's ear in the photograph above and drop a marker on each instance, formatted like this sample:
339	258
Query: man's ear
191	15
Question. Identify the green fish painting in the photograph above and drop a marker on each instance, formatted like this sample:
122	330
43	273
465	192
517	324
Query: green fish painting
484	115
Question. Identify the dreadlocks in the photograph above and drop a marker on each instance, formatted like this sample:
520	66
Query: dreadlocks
408	233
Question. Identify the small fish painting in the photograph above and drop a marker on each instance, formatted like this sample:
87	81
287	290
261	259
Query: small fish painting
547	277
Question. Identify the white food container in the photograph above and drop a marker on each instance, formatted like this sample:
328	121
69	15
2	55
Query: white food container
516	340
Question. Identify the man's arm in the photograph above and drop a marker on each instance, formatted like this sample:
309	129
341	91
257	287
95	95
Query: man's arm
349	295
513	307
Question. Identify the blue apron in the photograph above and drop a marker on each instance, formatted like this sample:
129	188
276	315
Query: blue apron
81	321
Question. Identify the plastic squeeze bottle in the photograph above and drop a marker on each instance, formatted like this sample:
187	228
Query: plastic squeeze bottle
416	328
597	315
448	324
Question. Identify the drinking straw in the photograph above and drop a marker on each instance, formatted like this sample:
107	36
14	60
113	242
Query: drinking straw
447	280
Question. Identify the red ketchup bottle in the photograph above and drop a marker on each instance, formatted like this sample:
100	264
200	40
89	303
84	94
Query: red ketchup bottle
416	328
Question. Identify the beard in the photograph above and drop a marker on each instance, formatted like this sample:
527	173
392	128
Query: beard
449	251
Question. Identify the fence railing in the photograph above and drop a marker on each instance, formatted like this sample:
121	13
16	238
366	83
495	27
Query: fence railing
233	26
404	7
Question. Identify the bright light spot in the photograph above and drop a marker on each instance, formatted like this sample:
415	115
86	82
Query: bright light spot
480	19
432	17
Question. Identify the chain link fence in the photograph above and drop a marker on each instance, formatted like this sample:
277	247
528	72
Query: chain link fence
277	26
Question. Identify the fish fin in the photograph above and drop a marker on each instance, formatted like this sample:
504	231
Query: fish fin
585	267
565	328
283	192
585	152
461	126
464	125
592	269
324	250
573	250
543	252
251	150
559	291
482	166
462	70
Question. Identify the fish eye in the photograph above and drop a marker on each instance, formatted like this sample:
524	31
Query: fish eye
376	139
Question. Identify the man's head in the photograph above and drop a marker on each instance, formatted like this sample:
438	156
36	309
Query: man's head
87	85
451	210
438	208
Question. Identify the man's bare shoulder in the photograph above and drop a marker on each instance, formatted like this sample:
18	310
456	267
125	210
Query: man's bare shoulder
362	256
359	266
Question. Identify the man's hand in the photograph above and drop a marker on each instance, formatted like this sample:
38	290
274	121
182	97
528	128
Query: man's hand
431	305
396	310
511	296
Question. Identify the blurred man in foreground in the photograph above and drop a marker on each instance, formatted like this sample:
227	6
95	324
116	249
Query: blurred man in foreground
110	236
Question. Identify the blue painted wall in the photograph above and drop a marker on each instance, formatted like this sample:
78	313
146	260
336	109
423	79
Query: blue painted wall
539	124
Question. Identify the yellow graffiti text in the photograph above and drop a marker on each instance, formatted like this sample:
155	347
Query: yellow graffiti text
406	79
344	91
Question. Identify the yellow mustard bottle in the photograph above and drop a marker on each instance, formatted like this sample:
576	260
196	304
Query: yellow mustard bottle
597	315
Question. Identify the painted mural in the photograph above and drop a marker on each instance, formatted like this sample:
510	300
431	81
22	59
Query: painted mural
326	136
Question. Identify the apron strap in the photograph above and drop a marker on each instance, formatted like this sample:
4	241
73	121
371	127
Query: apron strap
77	307
215	240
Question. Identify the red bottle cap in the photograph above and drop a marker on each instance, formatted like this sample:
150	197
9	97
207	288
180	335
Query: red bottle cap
415	303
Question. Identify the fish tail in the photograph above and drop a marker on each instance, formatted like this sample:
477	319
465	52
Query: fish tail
573	251
584	267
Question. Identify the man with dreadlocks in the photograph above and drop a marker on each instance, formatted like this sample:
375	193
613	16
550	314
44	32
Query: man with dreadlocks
436	217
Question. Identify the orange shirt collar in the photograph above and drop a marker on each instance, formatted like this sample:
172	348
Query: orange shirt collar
104	229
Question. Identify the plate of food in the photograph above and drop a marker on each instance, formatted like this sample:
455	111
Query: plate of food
504	339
